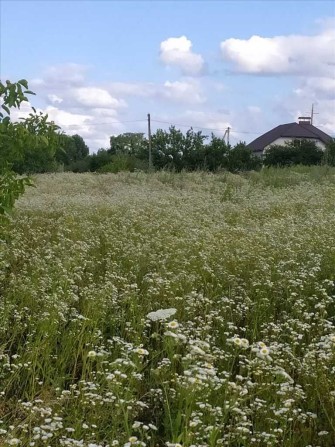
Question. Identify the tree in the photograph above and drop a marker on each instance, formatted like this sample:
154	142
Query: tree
329	154
129	143
215	154
82	149
71	150
194	150
41	139
11	187
241	158
31	144
101	158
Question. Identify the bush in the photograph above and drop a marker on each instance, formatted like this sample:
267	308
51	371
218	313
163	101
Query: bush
120	162
80	165
241	158
329	154
304	152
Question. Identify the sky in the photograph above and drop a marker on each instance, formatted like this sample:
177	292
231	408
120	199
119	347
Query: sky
99	67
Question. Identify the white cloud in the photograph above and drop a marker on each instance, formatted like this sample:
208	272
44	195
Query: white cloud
183	91
96	97
66	119
71	102
293	54
23	112
143	89
318	87
177	51
299	103
186	91
71	74
54	99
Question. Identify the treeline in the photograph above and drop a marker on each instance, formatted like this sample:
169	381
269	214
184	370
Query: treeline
171	149
37	145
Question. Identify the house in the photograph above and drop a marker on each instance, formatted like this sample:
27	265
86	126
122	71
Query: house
304	129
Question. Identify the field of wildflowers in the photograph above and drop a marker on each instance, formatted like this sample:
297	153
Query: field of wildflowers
170	310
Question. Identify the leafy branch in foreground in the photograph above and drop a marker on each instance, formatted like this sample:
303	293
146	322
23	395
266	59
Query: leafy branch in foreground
11	187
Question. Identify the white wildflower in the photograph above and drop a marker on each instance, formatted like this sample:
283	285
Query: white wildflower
141	351
161	314
173	324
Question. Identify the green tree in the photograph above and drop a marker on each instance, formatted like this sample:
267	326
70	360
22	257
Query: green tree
329	154
101	158
215	156
82	150
129	143
40	141
194	156
71	150
29	145
11	187
241	158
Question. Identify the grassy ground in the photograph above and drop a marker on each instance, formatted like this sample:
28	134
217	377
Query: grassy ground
239	272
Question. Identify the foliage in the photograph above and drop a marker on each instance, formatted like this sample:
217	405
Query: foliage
298	151
239	271
11	188
12	95
12	135
241	158
82	150
329	154
215	154
71	149
129	143
100	159
40	142
120	162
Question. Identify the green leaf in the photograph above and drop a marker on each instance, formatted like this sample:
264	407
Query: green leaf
6	109
23	82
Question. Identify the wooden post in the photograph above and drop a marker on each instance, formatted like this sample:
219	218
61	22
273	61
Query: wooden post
150	148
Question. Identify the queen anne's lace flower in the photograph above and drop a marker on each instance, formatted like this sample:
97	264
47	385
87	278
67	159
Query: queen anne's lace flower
161	314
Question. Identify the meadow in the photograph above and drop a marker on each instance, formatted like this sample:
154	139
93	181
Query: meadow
188	309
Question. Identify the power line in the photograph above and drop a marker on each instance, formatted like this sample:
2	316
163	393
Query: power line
104	123
161	122
204	128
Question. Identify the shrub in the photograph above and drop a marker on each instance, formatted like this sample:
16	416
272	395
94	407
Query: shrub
298	151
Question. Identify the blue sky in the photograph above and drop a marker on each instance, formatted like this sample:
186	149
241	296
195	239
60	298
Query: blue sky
98	67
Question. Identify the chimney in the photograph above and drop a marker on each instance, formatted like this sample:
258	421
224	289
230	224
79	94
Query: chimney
305	120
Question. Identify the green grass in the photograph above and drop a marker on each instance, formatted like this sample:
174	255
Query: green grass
246	360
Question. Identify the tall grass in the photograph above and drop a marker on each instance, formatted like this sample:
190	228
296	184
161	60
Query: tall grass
245	355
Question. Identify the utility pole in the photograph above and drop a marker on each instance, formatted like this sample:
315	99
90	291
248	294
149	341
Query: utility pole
149	138
227	134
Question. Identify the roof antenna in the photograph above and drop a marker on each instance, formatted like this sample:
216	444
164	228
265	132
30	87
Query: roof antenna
313	113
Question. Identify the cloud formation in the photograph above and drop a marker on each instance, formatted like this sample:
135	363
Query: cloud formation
177	52
96	111
290	55
96	97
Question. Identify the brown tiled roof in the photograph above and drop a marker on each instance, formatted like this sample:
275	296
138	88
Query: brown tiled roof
291	130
